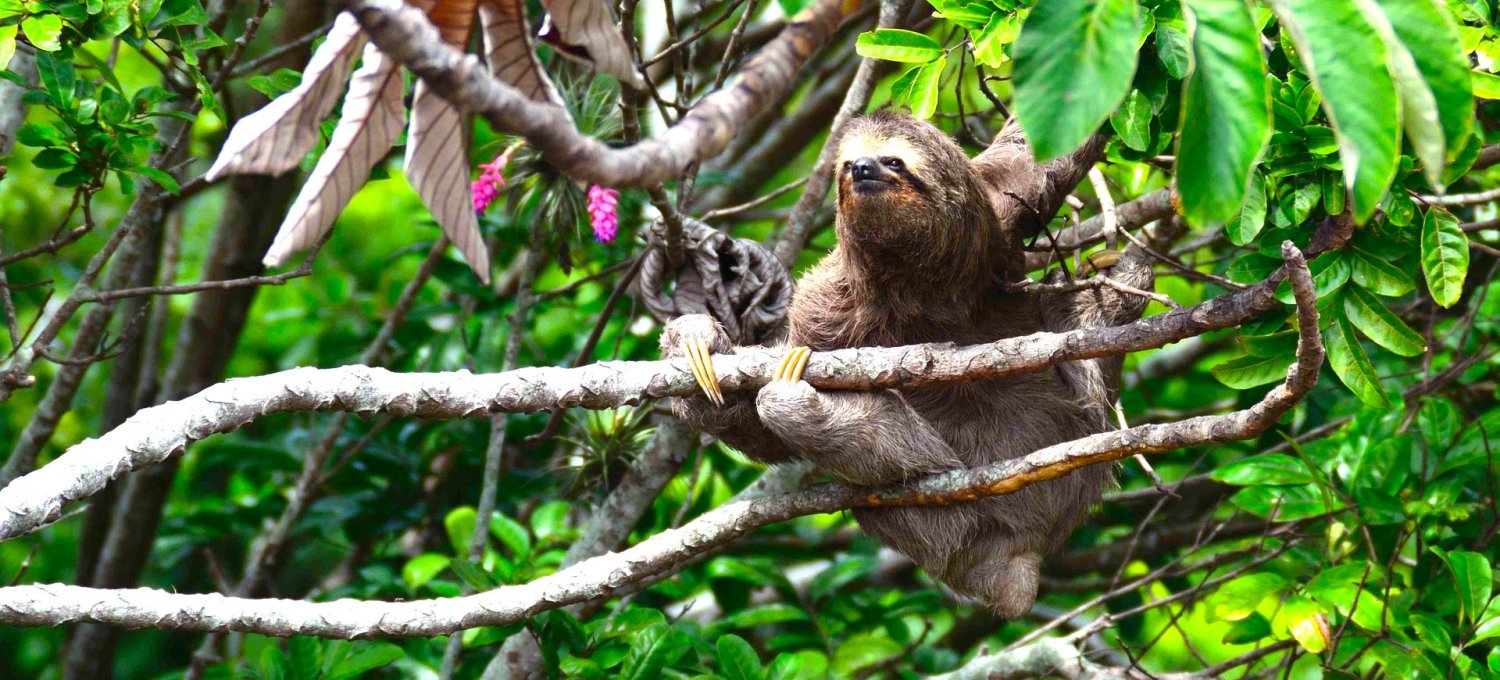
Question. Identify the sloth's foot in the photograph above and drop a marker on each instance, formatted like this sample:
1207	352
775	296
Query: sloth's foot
696	337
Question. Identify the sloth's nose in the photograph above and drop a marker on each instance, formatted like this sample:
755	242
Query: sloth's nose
865	168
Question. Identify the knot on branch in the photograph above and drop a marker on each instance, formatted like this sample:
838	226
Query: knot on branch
735	281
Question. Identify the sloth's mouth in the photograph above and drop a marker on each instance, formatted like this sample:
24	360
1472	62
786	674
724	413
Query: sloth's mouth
870	186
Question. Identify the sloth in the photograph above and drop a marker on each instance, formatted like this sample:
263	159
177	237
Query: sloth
927	240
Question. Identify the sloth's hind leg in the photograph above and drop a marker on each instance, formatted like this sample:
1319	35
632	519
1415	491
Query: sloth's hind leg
730	417
997	571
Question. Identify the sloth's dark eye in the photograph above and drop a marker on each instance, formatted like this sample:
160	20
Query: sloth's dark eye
893	163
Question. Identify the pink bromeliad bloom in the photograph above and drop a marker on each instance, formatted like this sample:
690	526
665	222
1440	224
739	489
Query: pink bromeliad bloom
491	179
603	212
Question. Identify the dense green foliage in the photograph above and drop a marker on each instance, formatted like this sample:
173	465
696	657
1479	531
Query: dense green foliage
1358	538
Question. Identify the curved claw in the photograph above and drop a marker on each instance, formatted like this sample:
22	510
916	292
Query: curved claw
703	369
793	364
1100	260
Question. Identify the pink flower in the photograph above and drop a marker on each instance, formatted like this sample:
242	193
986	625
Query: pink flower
491	179
603	214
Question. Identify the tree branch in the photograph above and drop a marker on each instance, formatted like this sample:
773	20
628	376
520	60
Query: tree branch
403	33
157	433
48	605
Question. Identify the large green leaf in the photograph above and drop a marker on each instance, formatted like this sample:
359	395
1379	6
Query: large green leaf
1352	365
894	44
1348	65
1074	61
1132	121
1445	256
1247	225
1239	598
1264	469
1377	275
1370	316
1226	111
1473	579
1245	372
1428	34
918	88
1422	30
738	660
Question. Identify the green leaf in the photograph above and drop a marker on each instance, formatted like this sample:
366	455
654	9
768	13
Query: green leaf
1132	121
1266	468
1428	33
918	88
371	655
1352	365
1247	630
764	615
1238	599
1173	50
1247	225
841	573
420	569
161	178
1486	85
1348	65
1371	317
1245	372
54	159
471	574
1445	256
1373	273
7	45
512	534
651	651
55	71
1473	579
894	44
738	660
1226	112
1074	61
1419	112
989	44
44	31
971	14
460	526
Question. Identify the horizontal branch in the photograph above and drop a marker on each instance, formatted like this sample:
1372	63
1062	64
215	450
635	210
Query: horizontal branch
403	33
157	433
1133	214
57	604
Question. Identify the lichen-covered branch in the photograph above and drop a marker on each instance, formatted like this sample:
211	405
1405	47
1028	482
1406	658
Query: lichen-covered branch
157	433
55	604
403	33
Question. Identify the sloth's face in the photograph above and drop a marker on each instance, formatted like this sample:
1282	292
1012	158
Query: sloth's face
876	169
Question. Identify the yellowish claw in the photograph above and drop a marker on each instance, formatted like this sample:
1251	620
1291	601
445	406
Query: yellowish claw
792	364
1103	259
703	370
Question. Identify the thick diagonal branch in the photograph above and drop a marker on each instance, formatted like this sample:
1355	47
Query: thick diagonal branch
50	605
403	32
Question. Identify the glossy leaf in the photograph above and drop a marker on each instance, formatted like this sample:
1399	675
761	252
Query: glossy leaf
1347	61
1074	61
1245	372
1132	121
737	659
1353	366
894	44
1247	225
1427	32
1473	579
1445	256
1378	276
1174	50
1226	111
1371	317
1239	598
1267	468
